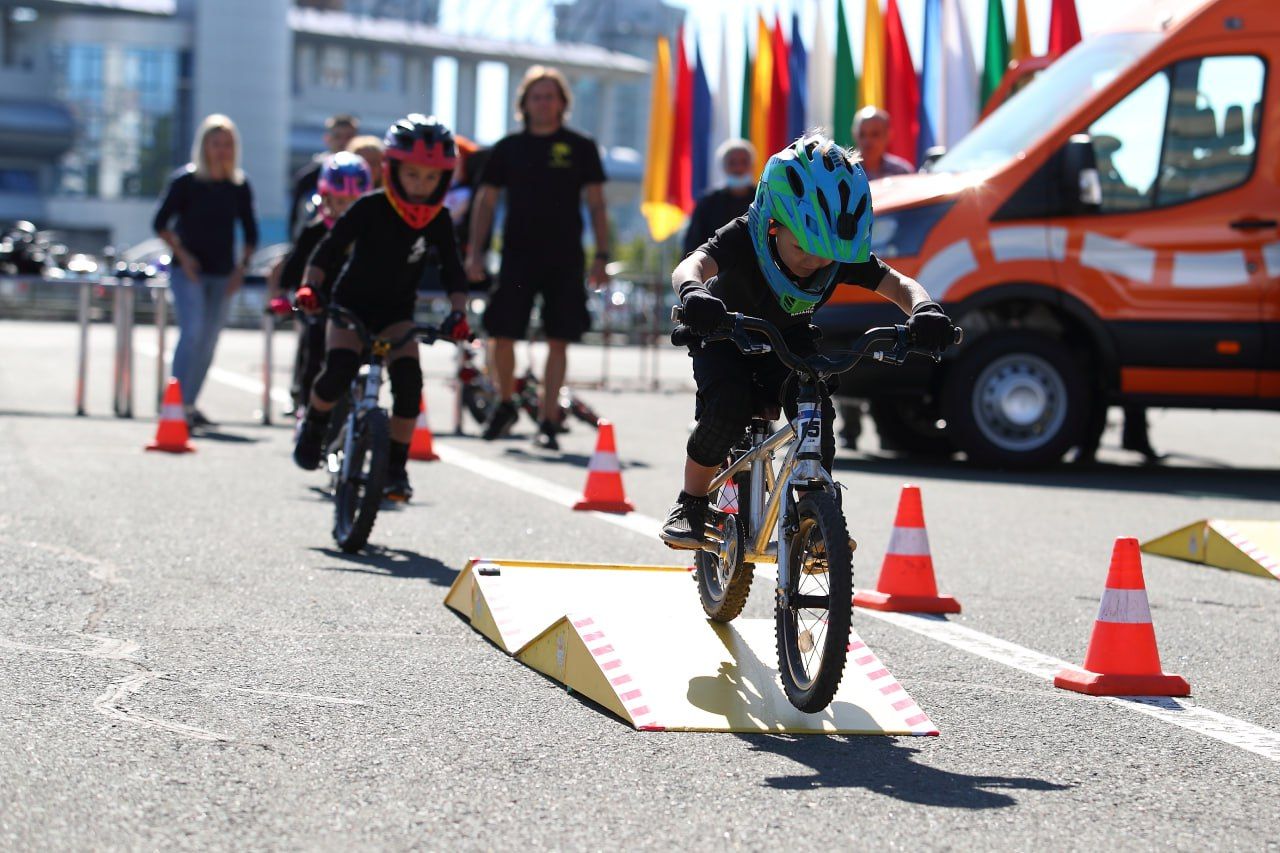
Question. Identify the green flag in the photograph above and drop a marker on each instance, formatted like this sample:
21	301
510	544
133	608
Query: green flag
846	102
996	58
744	124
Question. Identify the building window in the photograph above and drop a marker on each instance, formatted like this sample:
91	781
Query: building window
388	72
335	68
124	101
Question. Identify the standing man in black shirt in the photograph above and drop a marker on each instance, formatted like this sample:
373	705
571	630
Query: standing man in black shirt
546	169
737	157
339	130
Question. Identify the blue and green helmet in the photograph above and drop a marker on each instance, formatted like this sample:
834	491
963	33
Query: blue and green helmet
815	190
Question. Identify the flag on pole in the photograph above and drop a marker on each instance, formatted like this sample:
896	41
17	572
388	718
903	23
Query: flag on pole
680	178
845	103
779	90
902	92
930	80
664	219
1064	27
748	74
959	76
995	57
872	92
700	168
761	90
821	72
797	113
722	126
1021	48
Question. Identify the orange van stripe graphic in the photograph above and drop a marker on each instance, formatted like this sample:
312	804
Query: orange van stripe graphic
1216	383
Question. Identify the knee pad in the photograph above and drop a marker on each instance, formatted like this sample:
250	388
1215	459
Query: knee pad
406	387
340	368
723	416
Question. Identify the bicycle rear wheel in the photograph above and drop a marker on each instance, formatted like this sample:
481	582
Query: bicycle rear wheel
724	580
358	496
813	628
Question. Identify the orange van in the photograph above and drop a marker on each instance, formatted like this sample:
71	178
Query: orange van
1107	236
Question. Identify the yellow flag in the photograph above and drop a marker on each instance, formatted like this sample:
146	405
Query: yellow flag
761	92
1021	47
664	218
871	90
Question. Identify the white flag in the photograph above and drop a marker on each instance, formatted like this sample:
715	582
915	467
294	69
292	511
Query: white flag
822	75
722	114
959	76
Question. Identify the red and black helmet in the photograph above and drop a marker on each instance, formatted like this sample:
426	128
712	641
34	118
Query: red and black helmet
425	141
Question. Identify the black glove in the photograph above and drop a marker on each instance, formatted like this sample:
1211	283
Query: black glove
930	327
703	312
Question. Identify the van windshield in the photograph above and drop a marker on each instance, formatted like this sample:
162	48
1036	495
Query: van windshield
1060	89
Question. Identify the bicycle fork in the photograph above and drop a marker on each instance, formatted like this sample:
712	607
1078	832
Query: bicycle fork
372	384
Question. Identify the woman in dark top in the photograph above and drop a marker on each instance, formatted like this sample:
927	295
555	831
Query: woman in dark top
721	206
197	220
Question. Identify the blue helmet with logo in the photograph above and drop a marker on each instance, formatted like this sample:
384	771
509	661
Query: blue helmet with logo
814	189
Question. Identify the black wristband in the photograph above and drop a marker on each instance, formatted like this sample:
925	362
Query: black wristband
931	307
691	285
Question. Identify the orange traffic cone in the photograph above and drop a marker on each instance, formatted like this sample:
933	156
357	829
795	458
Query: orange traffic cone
728	500
420	445
907	583
171	431
604	491
1122	659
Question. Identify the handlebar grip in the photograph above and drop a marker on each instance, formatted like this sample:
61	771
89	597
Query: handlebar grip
683	336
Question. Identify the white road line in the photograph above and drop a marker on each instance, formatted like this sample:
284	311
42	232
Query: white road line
1178	712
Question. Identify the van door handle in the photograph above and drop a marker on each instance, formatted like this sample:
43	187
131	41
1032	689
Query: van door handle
1253	224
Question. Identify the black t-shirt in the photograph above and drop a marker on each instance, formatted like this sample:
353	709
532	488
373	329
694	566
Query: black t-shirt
295	265
305	182
387	256
715	209
544	177
743	288
206	214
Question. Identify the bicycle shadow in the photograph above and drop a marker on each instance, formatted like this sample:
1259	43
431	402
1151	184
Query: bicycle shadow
886	766
396	563
559	457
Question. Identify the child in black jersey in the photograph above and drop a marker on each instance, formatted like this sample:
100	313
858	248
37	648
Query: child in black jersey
807	232
391	234
344	177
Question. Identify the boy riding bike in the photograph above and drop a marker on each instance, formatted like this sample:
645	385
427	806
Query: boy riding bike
392	233
807	232
344	177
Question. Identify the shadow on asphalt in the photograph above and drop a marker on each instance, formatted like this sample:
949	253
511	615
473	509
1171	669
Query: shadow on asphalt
886	766
573	460
1192	475
391	563
223	437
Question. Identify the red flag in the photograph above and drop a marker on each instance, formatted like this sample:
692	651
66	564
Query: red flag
780	91
901	87
1064	27
680	178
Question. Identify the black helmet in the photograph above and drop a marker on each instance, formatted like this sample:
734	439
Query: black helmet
426	141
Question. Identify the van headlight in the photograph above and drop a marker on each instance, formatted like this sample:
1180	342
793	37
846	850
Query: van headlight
902	233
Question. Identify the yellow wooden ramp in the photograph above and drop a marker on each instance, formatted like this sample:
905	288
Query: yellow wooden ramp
634	640
1252	547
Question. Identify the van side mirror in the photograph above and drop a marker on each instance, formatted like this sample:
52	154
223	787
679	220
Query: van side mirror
1082	185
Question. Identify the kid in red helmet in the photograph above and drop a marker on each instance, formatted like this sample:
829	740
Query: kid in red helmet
418	167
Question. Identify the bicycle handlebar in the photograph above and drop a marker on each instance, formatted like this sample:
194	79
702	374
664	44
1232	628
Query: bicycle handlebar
820	365
348	320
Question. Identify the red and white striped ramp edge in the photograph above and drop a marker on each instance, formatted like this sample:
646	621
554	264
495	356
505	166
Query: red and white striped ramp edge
634	640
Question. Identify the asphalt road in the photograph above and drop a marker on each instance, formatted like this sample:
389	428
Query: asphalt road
188	663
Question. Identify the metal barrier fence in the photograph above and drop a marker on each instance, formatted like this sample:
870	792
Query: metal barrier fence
628	313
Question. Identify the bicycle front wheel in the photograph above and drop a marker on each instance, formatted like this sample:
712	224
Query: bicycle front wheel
813	625
358	496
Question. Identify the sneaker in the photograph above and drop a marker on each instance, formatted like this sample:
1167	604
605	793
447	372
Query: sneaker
198	419
398	488
545	437
686	523
307	449
501	421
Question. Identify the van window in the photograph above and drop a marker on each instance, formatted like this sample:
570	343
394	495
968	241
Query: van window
1189	131
1209	145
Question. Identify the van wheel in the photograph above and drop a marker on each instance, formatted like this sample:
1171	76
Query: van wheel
1016	400
910	425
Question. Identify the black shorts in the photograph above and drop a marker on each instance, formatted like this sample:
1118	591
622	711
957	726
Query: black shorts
377	316
564	299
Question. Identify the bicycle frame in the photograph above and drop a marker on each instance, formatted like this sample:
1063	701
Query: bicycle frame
362	403
771	490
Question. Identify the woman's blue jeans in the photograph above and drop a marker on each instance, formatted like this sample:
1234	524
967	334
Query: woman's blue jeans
202	307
